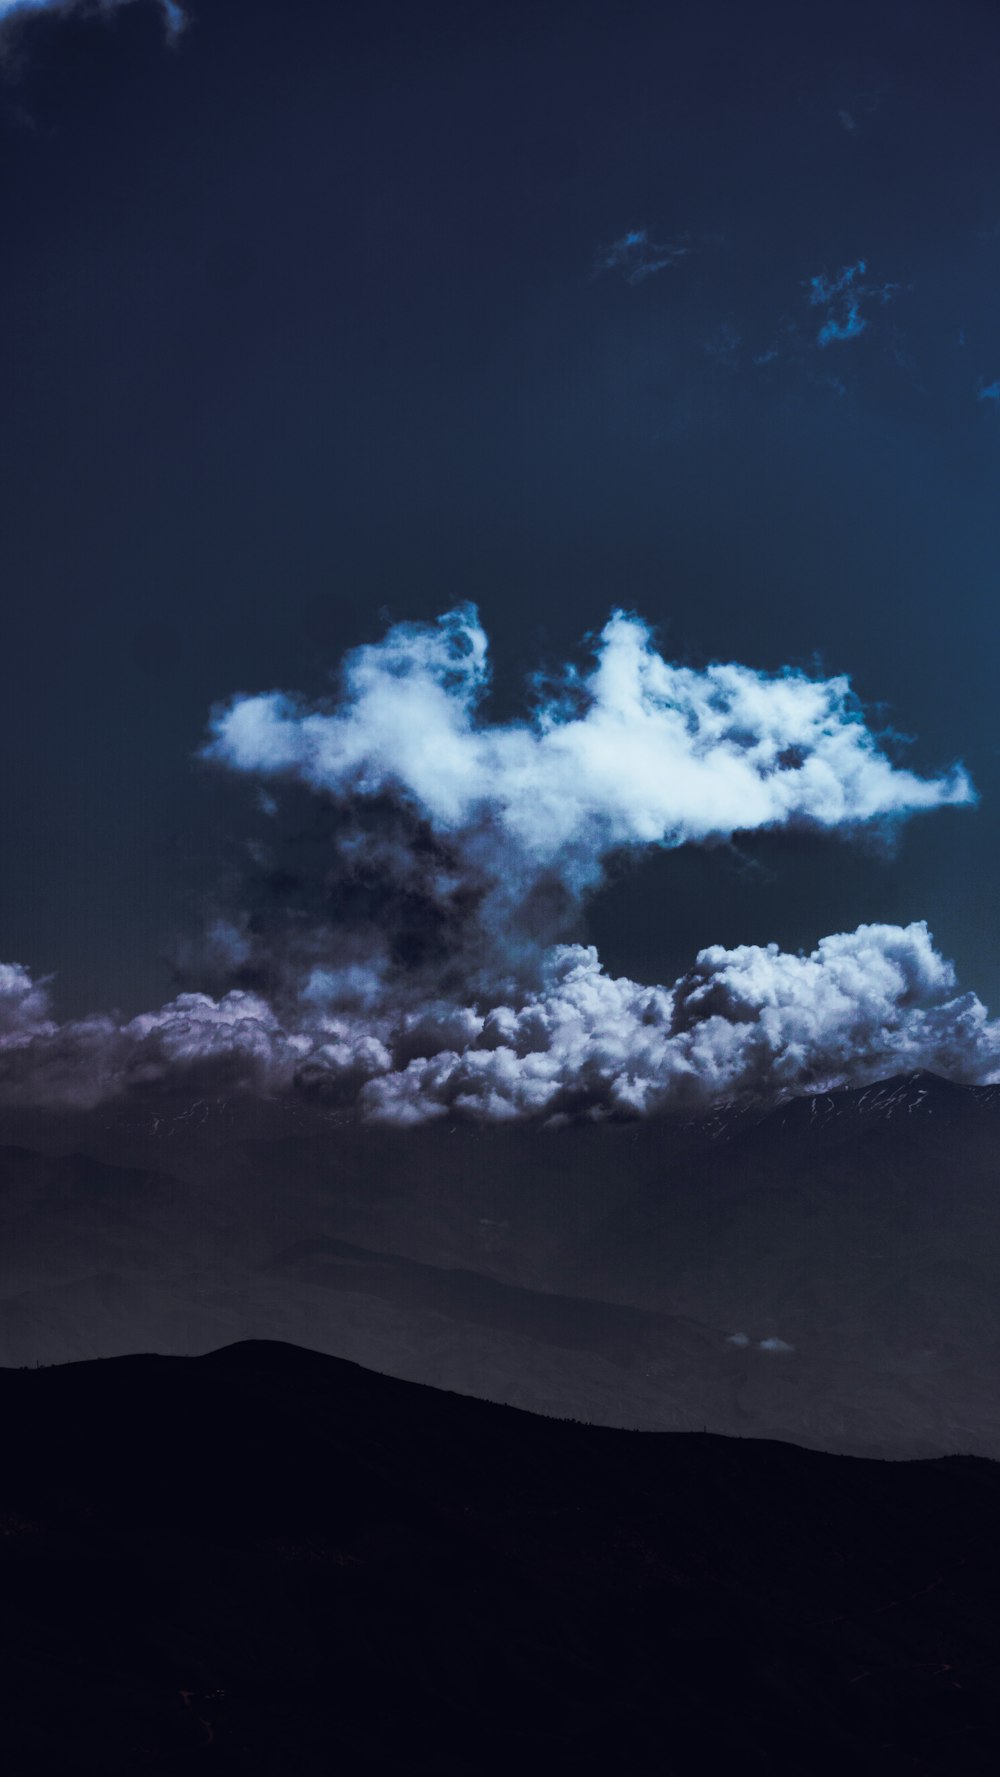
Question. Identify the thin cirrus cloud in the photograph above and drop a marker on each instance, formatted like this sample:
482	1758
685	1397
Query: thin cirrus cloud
637	257
174	16
487	837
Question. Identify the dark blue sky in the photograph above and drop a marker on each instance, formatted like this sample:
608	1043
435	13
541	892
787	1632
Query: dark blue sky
302	329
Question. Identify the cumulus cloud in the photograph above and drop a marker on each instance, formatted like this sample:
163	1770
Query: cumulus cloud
634	752
412	967
24	1003
753	1020
174	16
638	258
861	1006
460	848
235	1042
842	298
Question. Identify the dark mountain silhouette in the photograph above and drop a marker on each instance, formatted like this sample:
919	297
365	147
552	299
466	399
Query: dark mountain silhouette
270	1560
825	1271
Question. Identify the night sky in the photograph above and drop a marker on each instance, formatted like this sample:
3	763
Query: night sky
319	319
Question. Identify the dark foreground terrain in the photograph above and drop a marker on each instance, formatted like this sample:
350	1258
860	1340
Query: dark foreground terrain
266	1560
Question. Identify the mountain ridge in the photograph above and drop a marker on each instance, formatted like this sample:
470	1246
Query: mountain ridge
828	1272
296	1563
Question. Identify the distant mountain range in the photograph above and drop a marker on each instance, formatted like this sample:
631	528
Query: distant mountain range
269	1561
826	1270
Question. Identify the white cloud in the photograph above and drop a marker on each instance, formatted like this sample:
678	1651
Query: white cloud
421	981
479	840
635	752
24	1004
752	1020
861	1006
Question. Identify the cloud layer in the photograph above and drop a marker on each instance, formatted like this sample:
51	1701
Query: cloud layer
751	1020
417	967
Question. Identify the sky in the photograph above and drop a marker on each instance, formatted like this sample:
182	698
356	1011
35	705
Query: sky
610	395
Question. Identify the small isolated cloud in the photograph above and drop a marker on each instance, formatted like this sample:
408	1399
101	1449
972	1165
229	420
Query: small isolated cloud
740	1339
989	391
785	342
637	257
174	16
775	1345
858	105
842	298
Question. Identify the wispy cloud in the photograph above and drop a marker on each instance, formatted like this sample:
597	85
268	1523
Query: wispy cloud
842	297
637	257
174	15
724	344
859	105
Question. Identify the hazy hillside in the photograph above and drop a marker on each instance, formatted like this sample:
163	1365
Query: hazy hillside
827	1271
